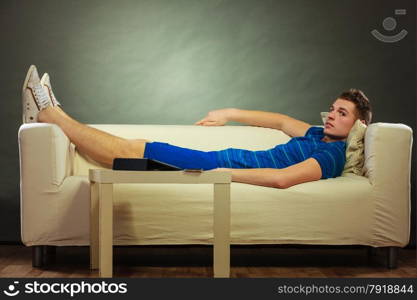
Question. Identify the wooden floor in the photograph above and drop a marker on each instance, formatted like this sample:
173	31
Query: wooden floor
195	261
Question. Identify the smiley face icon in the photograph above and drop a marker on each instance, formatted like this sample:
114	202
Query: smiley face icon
390	24
11	291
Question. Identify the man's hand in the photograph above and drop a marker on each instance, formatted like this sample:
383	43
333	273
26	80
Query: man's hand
215	118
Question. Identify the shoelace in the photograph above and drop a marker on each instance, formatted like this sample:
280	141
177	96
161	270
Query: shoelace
41	96
52	95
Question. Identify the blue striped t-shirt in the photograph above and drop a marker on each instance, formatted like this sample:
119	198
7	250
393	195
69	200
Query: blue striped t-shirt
330	156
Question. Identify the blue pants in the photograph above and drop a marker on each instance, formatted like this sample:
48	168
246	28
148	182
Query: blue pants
181	157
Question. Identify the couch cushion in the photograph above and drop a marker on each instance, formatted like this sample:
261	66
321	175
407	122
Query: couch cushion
195	137
333	211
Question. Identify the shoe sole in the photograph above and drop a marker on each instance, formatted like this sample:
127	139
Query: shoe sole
25	83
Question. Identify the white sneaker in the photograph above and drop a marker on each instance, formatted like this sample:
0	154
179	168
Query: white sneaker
46	83
34	97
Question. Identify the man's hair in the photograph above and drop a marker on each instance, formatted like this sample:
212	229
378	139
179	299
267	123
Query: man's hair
362	104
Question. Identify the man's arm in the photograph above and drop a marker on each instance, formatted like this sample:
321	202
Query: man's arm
308	170
288	125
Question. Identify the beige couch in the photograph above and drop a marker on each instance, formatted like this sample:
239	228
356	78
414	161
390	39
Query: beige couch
371	210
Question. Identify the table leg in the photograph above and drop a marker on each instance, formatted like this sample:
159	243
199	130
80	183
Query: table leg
106	230
94	225
221	230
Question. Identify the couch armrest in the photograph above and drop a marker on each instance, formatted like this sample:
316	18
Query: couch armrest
388	151
45	156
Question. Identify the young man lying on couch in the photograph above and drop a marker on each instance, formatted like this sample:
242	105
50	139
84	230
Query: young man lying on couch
313	153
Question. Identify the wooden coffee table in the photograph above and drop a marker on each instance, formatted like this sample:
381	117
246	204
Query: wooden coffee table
101	212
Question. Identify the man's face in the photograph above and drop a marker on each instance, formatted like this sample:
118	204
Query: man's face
342	116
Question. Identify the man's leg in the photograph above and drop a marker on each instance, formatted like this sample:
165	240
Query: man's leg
97	144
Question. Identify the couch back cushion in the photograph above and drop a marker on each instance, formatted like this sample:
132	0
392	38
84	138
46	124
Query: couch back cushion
205	138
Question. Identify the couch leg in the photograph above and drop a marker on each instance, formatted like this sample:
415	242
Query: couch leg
37	256
49	255
392	257
43	255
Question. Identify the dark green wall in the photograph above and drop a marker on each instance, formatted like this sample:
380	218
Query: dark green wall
170	62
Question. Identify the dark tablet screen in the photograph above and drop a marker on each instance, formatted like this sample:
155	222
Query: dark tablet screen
142	164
